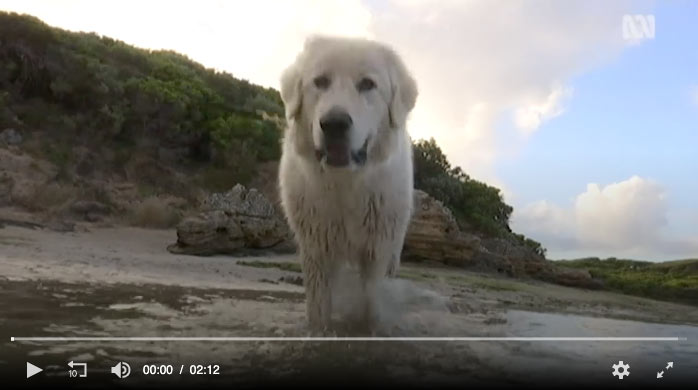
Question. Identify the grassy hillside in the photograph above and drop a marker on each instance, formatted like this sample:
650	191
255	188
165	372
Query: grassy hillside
670	280
86	90
77	93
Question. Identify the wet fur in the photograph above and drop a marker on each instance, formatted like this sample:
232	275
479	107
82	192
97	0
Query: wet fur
356	217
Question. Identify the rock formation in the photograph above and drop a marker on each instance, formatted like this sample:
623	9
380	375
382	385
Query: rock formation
243	221
237	222
434	235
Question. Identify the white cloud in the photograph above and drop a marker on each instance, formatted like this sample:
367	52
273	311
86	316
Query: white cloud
694	95
479	61
254	40
544	219
621	215
529	117
627	218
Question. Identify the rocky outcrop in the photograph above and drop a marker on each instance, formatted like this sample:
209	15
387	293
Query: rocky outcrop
237	222
514	258
243	221
434	235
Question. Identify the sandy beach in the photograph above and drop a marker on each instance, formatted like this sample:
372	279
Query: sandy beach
122	282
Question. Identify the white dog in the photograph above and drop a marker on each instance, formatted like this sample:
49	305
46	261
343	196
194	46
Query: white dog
346	169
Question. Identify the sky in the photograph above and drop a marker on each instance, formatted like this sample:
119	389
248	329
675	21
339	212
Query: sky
589	127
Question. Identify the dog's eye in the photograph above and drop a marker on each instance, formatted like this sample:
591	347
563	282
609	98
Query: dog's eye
365	84
322	82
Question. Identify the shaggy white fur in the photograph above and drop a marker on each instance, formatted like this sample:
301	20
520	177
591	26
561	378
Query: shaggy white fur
347	197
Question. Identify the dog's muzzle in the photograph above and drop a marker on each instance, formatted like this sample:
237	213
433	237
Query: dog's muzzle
336	125
338	154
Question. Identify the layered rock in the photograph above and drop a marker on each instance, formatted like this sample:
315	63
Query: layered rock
237	222
243	221
434	235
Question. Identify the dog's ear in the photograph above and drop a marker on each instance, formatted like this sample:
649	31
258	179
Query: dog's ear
291	91
403	90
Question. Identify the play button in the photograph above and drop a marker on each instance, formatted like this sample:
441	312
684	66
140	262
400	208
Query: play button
32	370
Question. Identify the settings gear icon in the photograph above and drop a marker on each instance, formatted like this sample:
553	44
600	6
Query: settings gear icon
621	370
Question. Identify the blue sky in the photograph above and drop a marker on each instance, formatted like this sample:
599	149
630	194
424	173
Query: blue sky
636	115
592	139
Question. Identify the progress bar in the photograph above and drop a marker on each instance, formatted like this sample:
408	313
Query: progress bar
325	339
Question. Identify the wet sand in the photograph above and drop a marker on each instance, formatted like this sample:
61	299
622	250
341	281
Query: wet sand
121	282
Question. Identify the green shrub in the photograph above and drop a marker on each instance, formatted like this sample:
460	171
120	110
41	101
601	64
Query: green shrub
672	280
95	90
474	204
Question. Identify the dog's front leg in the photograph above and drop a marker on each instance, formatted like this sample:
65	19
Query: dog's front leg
318	297
394	246
393	266
372	268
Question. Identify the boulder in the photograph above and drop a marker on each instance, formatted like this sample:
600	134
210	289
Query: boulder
240	200
433	234
237	222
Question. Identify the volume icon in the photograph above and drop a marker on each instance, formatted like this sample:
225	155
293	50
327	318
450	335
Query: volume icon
121	369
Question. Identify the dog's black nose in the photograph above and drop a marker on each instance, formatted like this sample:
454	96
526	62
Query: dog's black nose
335	123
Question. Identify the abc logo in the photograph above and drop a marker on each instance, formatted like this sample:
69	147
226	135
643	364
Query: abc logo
121	369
